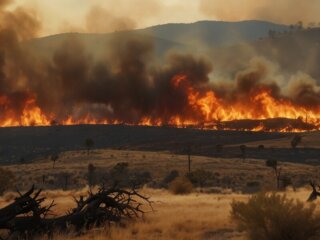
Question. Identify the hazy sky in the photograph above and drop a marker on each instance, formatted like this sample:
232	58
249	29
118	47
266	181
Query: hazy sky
111	15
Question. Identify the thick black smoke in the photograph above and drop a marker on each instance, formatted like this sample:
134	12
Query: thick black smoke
129	83
126	85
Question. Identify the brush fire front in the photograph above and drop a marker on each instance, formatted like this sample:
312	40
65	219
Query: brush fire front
128	84
201	108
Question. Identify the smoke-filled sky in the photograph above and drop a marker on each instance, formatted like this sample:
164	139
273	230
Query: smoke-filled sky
129	84
108	15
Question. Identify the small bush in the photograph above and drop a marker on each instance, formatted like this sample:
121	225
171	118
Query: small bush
286	181
199	177
91	175
253	184
272	163
139	178
275	217
296	141
118	175
181	185
252	187
172	175
6	180
89	143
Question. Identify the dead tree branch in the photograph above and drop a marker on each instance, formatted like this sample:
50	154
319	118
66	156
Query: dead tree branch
27	217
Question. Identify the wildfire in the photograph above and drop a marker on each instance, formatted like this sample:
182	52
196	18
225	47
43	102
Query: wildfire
203	109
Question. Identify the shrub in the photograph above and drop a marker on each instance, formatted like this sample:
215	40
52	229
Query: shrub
253	184
172	175
139	178
6	180
243	151
54	158
276	169
199	177
122	176
296	141
120	168
89	143
91	175
275	217
119	175
181	185
252	187
286	181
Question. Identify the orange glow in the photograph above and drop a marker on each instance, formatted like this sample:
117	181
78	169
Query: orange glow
203	109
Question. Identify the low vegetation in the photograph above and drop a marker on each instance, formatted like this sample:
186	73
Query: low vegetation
276	217
273	164
192	205
181	185
7	180
199	177
296	140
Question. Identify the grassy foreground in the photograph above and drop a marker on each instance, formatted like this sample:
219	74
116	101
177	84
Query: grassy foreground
194	216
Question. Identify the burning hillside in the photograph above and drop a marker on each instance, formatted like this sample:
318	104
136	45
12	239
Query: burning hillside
182	104
129	85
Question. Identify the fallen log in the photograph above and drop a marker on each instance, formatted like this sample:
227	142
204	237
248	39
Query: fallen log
26	217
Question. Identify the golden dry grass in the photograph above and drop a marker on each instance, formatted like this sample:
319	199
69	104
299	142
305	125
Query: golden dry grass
195	216
229	172
189	217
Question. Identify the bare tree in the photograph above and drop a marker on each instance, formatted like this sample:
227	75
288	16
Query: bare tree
314	194
276	169
89	143
91	177
7	180
54	158
188	149
297	139
27	217
66	180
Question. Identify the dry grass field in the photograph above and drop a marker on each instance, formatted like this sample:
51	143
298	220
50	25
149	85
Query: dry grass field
191	217
203	214
188	217
228	173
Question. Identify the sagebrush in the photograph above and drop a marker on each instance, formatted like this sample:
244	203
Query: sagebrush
275	217
181	185
7	180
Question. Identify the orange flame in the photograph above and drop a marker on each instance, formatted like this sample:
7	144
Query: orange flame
204	109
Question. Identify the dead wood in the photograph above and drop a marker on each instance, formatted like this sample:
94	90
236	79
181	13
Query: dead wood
314	194
26	217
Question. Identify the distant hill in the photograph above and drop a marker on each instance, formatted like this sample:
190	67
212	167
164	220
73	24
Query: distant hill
168	36
214	33
229	44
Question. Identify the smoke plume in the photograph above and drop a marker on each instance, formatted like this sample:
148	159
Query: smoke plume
284	11
130	85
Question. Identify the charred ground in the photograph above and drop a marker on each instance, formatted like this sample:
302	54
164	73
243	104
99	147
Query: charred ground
27	144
